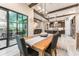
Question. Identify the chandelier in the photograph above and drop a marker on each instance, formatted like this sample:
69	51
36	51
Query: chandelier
44	10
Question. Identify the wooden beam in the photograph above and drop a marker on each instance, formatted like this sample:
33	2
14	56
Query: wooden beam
38	19
62	15
40	14
32	4
75	5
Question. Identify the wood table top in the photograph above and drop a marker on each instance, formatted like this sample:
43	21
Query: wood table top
42	45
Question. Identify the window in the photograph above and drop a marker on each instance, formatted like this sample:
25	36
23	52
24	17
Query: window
11	24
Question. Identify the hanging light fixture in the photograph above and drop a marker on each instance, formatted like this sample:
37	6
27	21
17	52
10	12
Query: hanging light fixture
43	10
45	14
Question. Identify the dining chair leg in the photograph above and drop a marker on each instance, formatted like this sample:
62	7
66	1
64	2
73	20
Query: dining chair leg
53	52
20	54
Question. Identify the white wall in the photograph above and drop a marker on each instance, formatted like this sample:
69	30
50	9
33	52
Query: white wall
39	17
24	9
42	24
68	25
77	23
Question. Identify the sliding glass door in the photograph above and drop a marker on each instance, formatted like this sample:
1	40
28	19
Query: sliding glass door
17	25
12	27
22	25
3	28
11	24
25	25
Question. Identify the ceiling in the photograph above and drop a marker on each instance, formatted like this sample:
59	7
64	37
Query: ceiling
52	6
55	6
48	7
28	3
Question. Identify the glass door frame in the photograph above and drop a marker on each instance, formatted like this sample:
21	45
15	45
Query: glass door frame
6	28
16	24
22	23
7	19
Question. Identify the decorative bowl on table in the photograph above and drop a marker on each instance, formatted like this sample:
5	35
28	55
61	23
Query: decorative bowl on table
43	34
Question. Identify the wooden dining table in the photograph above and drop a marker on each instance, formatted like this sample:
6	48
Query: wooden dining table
42	45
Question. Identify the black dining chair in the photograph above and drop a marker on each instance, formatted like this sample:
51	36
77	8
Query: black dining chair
52	47
25	50
21	45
